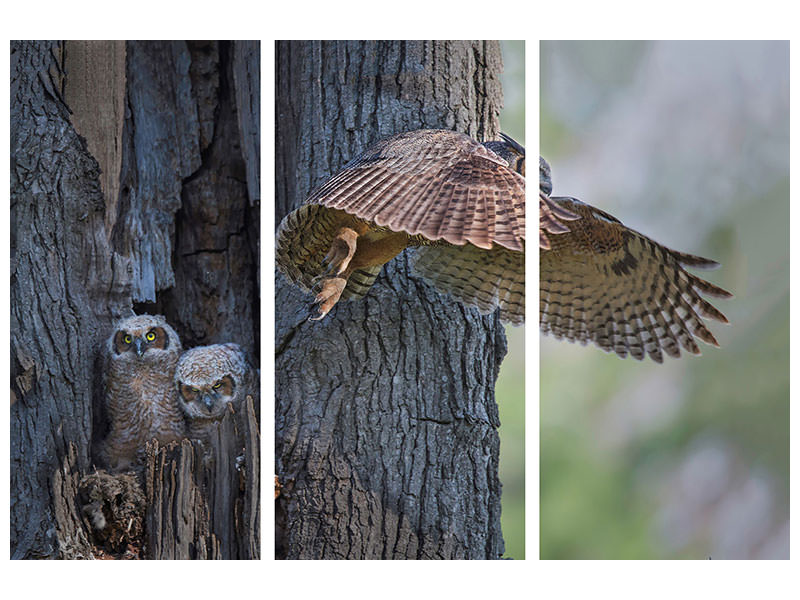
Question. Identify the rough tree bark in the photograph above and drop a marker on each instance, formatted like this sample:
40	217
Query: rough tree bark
386	422
134	185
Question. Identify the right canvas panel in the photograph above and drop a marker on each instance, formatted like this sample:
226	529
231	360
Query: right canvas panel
665	422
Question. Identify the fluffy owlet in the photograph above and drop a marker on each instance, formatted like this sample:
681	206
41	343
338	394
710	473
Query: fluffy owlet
461	202
207	379
141	400
604	283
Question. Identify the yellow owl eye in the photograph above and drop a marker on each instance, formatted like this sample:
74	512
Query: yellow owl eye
127	339
195	390
217	385
151	335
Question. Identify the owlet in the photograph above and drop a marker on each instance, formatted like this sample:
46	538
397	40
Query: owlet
207	379
140	398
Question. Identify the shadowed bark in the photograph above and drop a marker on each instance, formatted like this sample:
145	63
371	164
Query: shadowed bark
134	185
386	423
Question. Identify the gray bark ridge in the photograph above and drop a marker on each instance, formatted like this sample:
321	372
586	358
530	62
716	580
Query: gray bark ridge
60	265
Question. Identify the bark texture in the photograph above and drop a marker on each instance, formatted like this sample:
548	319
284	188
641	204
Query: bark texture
386	423
215	489
134	185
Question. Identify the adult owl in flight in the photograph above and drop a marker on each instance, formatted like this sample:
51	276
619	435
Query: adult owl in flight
604	283
461	202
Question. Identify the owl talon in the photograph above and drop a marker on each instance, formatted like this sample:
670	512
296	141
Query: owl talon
332	288
342	249
316	282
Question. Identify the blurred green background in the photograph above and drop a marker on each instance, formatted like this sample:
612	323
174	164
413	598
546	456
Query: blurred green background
510	387
688	143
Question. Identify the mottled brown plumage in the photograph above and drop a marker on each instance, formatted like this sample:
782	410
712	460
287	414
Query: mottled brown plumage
140	396
604	283
208	378
462	202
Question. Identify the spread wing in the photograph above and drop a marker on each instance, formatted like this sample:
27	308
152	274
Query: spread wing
303	239
486	279
549	215
602	282
439	184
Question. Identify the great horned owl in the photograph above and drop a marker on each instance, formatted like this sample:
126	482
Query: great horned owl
605	283
207	379
461	202
140	398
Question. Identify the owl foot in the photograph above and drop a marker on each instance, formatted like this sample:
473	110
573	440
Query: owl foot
332	288
341	251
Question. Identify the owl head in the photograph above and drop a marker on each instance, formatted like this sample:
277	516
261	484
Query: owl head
208	378
512	151
545	185
144	339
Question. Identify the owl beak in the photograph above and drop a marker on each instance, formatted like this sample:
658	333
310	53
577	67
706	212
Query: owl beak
139	346
208	400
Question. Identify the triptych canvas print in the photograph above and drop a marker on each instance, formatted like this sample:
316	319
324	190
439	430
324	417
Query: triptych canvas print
333	361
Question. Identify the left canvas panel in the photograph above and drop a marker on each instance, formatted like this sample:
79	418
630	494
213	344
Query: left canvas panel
135	323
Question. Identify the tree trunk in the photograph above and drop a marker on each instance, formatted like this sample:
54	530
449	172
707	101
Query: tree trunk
204	503
134	185
386	423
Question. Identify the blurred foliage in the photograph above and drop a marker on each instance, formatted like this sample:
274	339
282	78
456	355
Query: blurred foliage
510	387
686	142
